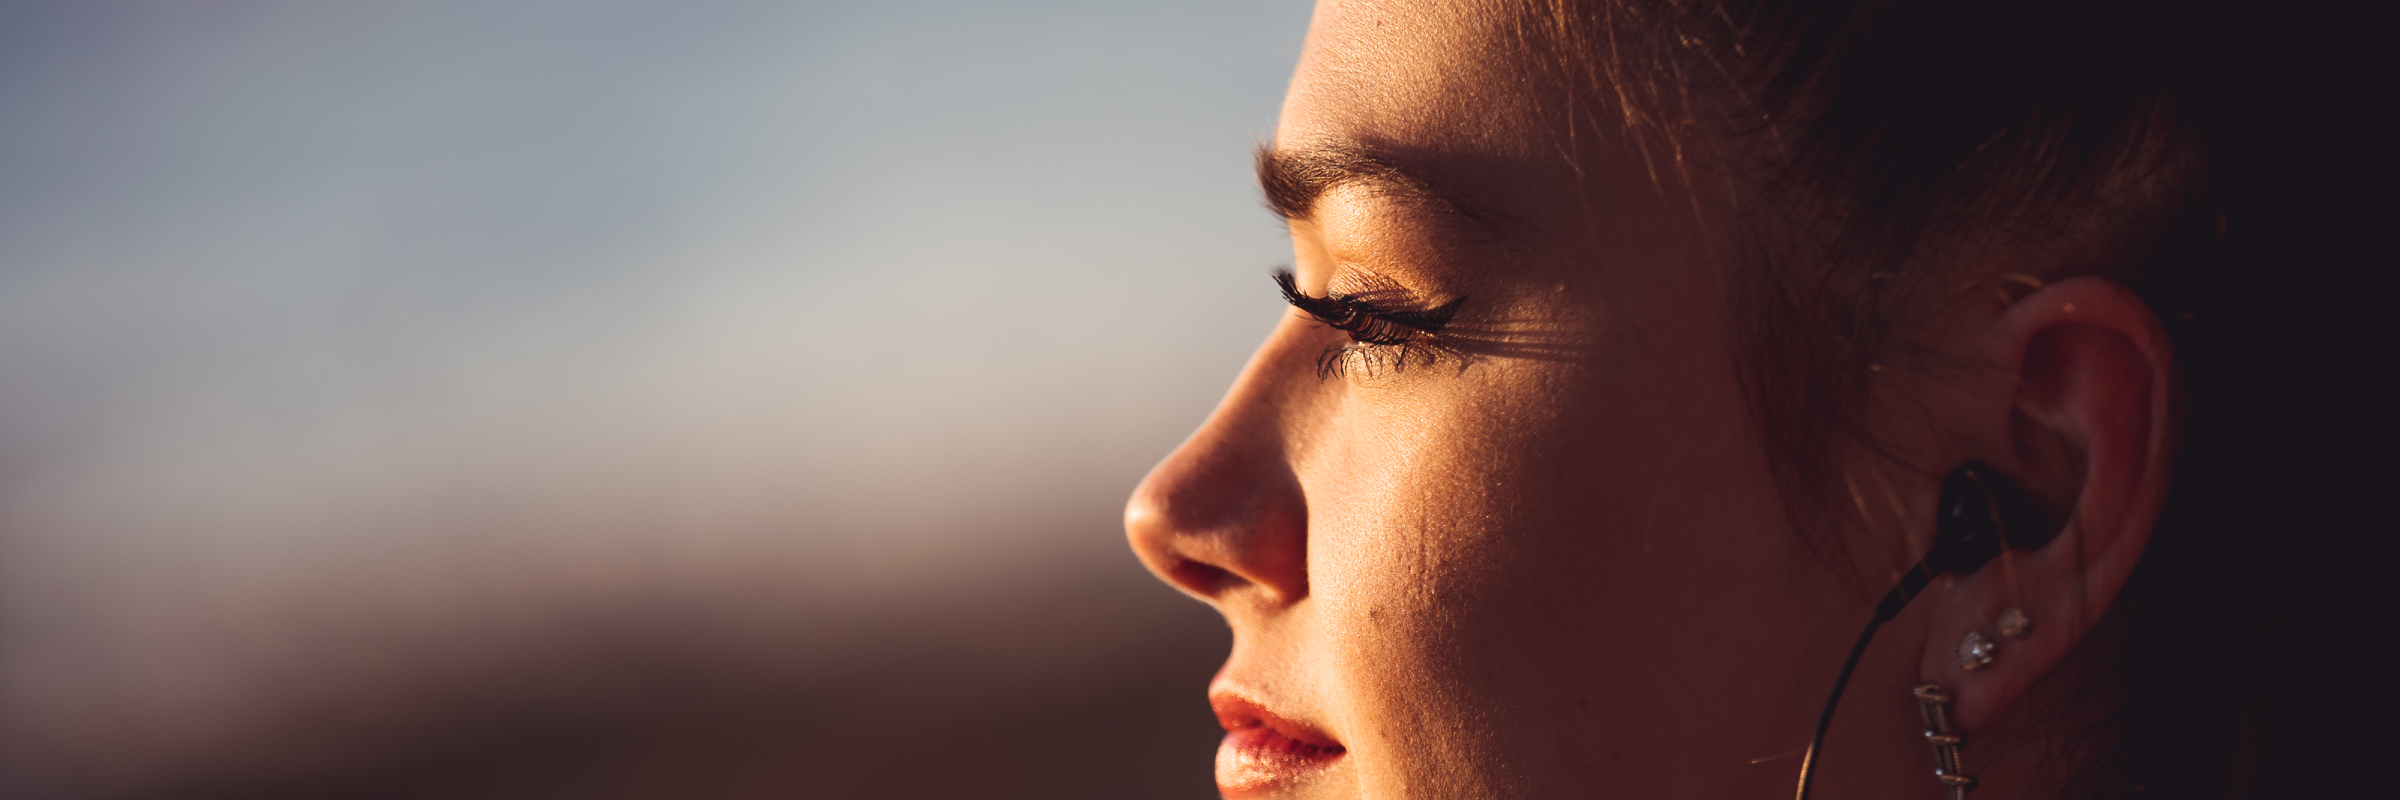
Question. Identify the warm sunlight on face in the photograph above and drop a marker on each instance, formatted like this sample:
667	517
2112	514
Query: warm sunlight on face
1466	509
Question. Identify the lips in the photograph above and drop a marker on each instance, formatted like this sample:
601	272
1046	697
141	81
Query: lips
1263	752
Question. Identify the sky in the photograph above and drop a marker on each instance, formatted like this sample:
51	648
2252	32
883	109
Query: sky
356	356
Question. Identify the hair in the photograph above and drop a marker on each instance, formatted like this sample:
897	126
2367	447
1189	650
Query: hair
2217	157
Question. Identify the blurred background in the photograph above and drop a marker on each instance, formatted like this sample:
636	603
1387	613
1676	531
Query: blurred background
532	398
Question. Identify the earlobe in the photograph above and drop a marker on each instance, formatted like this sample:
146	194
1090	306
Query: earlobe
2092	430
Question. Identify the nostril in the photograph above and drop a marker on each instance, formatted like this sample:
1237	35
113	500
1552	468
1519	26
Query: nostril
1212	539
1202	578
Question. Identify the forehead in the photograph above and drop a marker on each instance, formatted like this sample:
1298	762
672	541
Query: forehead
1450	75
1471	96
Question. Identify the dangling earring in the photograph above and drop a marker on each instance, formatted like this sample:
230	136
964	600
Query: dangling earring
1935	705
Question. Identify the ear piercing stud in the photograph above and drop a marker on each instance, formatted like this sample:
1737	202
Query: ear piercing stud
1975	652
2014	624
1934	704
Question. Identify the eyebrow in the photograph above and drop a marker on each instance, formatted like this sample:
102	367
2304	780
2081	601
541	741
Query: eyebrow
1294	178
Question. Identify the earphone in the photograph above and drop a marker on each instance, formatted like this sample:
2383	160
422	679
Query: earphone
1972	525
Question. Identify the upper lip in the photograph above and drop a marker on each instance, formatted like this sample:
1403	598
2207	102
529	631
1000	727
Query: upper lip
1237	710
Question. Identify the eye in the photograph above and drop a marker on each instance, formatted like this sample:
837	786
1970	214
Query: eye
1379	337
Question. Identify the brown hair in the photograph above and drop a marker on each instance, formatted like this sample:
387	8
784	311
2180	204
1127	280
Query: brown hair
2218	154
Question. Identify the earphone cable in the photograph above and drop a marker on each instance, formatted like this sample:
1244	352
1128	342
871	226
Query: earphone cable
1910	584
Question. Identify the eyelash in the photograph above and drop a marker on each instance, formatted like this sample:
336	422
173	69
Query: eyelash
1379	337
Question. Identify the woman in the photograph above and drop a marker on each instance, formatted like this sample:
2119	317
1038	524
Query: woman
1639	346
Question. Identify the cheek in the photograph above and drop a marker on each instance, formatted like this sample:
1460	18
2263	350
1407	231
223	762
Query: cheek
1484	557
1412	544
1453	536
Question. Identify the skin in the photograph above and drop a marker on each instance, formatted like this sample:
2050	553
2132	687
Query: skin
1548	559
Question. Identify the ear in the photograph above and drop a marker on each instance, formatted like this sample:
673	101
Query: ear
2090	437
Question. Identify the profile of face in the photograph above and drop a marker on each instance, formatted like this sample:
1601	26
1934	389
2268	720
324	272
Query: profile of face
1490	514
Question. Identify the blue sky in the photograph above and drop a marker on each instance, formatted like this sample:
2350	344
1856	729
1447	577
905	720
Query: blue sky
403	311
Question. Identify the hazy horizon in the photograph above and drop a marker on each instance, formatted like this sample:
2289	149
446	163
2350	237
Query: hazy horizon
368	368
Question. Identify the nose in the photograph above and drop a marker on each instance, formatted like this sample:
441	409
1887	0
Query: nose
1223	517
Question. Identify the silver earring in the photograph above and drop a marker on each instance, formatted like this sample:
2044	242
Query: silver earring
1935	706
1975	652
2014	624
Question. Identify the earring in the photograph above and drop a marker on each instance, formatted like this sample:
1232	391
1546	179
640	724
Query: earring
1935	706
2014	624
1975	652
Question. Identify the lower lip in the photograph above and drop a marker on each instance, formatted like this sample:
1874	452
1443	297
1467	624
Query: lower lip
1255	759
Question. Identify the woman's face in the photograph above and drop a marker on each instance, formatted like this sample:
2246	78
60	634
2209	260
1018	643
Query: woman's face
1533	552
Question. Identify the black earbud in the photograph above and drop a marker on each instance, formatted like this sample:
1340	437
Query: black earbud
1980	516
